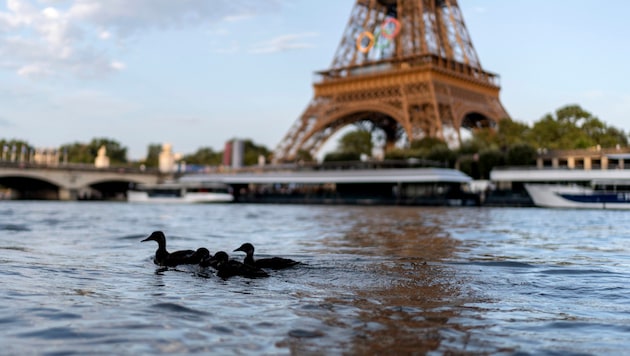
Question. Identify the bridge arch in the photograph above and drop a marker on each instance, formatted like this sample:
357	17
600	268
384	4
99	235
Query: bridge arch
29	187
70	184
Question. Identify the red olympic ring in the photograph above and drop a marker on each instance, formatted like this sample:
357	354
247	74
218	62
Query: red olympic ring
360	47
387	34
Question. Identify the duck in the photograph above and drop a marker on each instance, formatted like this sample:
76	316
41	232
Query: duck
171	259
228	268
198	256
275	263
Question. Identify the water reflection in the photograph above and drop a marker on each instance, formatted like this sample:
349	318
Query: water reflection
411	301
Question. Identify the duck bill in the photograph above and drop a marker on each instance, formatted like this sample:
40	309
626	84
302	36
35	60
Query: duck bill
147	239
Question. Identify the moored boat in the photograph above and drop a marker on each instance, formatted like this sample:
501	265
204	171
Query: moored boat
600	195
180	192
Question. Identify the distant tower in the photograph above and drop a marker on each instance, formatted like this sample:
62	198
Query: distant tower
234	153
405	67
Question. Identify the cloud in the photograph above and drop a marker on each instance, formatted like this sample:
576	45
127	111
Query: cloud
118	65
284	43
78	37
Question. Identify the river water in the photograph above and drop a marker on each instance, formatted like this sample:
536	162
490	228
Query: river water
75	279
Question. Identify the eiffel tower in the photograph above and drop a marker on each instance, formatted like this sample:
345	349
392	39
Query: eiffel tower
404	68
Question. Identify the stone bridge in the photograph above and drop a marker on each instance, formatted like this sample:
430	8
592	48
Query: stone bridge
69	182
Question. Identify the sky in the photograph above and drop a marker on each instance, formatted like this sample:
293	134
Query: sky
196	73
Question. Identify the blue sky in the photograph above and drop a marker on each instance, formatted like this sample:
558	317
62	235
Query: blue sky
195	73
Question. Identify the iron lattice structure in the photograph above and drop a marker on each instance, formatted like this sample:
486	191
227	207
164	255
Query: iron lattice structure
406	67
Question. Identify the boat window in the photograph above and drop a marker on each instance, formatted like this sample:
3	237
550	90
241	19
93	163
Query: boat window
164	193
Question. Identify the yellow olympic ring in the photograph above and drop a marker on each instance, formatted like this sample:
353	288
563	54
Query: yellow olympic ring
385	25
360	47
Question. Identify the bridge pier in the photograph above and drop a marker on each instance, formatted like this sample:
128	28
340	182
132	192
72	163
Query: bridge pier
68	194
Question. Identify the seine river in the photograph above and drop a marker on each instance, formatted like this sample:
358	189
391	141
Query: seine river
75	279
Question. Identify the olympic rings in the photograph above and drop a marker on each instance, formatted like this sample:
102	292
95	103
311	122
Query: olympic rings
380	42
360	47
387	32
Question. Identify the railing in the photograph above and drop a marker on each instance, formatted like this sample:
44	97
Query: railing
408	62
77	167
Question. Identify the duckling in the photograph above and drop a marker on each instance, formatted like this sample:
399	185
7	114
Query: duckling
273	262
227	268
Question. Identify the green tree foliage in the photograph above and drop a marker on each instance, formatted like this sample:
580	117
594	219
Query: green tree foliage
473	145
520	154
402	153
342	156
351	146
442	154
359	142
304	156
488	159
86	153
574	128
511	132
153	155
253	151
17	150
427	144
205	156
469	165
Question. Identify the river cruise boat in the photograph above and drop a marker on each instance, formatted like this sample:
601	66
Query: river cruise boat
568	188
180	192
602	194
404	186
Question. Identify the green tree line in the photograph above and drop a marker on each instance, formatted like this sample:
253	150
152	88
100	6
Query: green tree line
512	143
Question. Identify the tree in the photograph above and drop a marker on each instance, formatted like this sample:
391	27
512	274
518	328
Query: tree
16	150
573	128
488	159
304	156
510	132
205	156
341	156
358	142
117	154
427	143
153	155
86	153
253	151
520	154
442	154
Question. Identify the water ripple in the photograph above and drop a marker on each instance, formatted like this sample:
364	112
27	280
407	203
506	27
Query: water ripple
14	227
60	333
375	280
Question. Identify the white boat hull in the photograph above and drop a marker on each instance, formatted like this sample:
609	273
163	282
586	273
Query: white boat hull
190	197
577	197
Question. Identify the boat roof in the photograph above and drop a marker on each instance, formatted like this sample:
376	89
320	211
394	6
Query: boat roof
557	175
404	175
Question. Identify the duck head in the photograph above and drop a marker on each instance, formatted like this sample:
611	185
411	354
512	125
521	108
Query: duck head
157	236
247	248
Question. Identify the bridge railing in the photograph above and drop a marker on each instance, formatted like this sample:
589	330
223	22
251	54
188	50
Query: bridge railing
78	167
